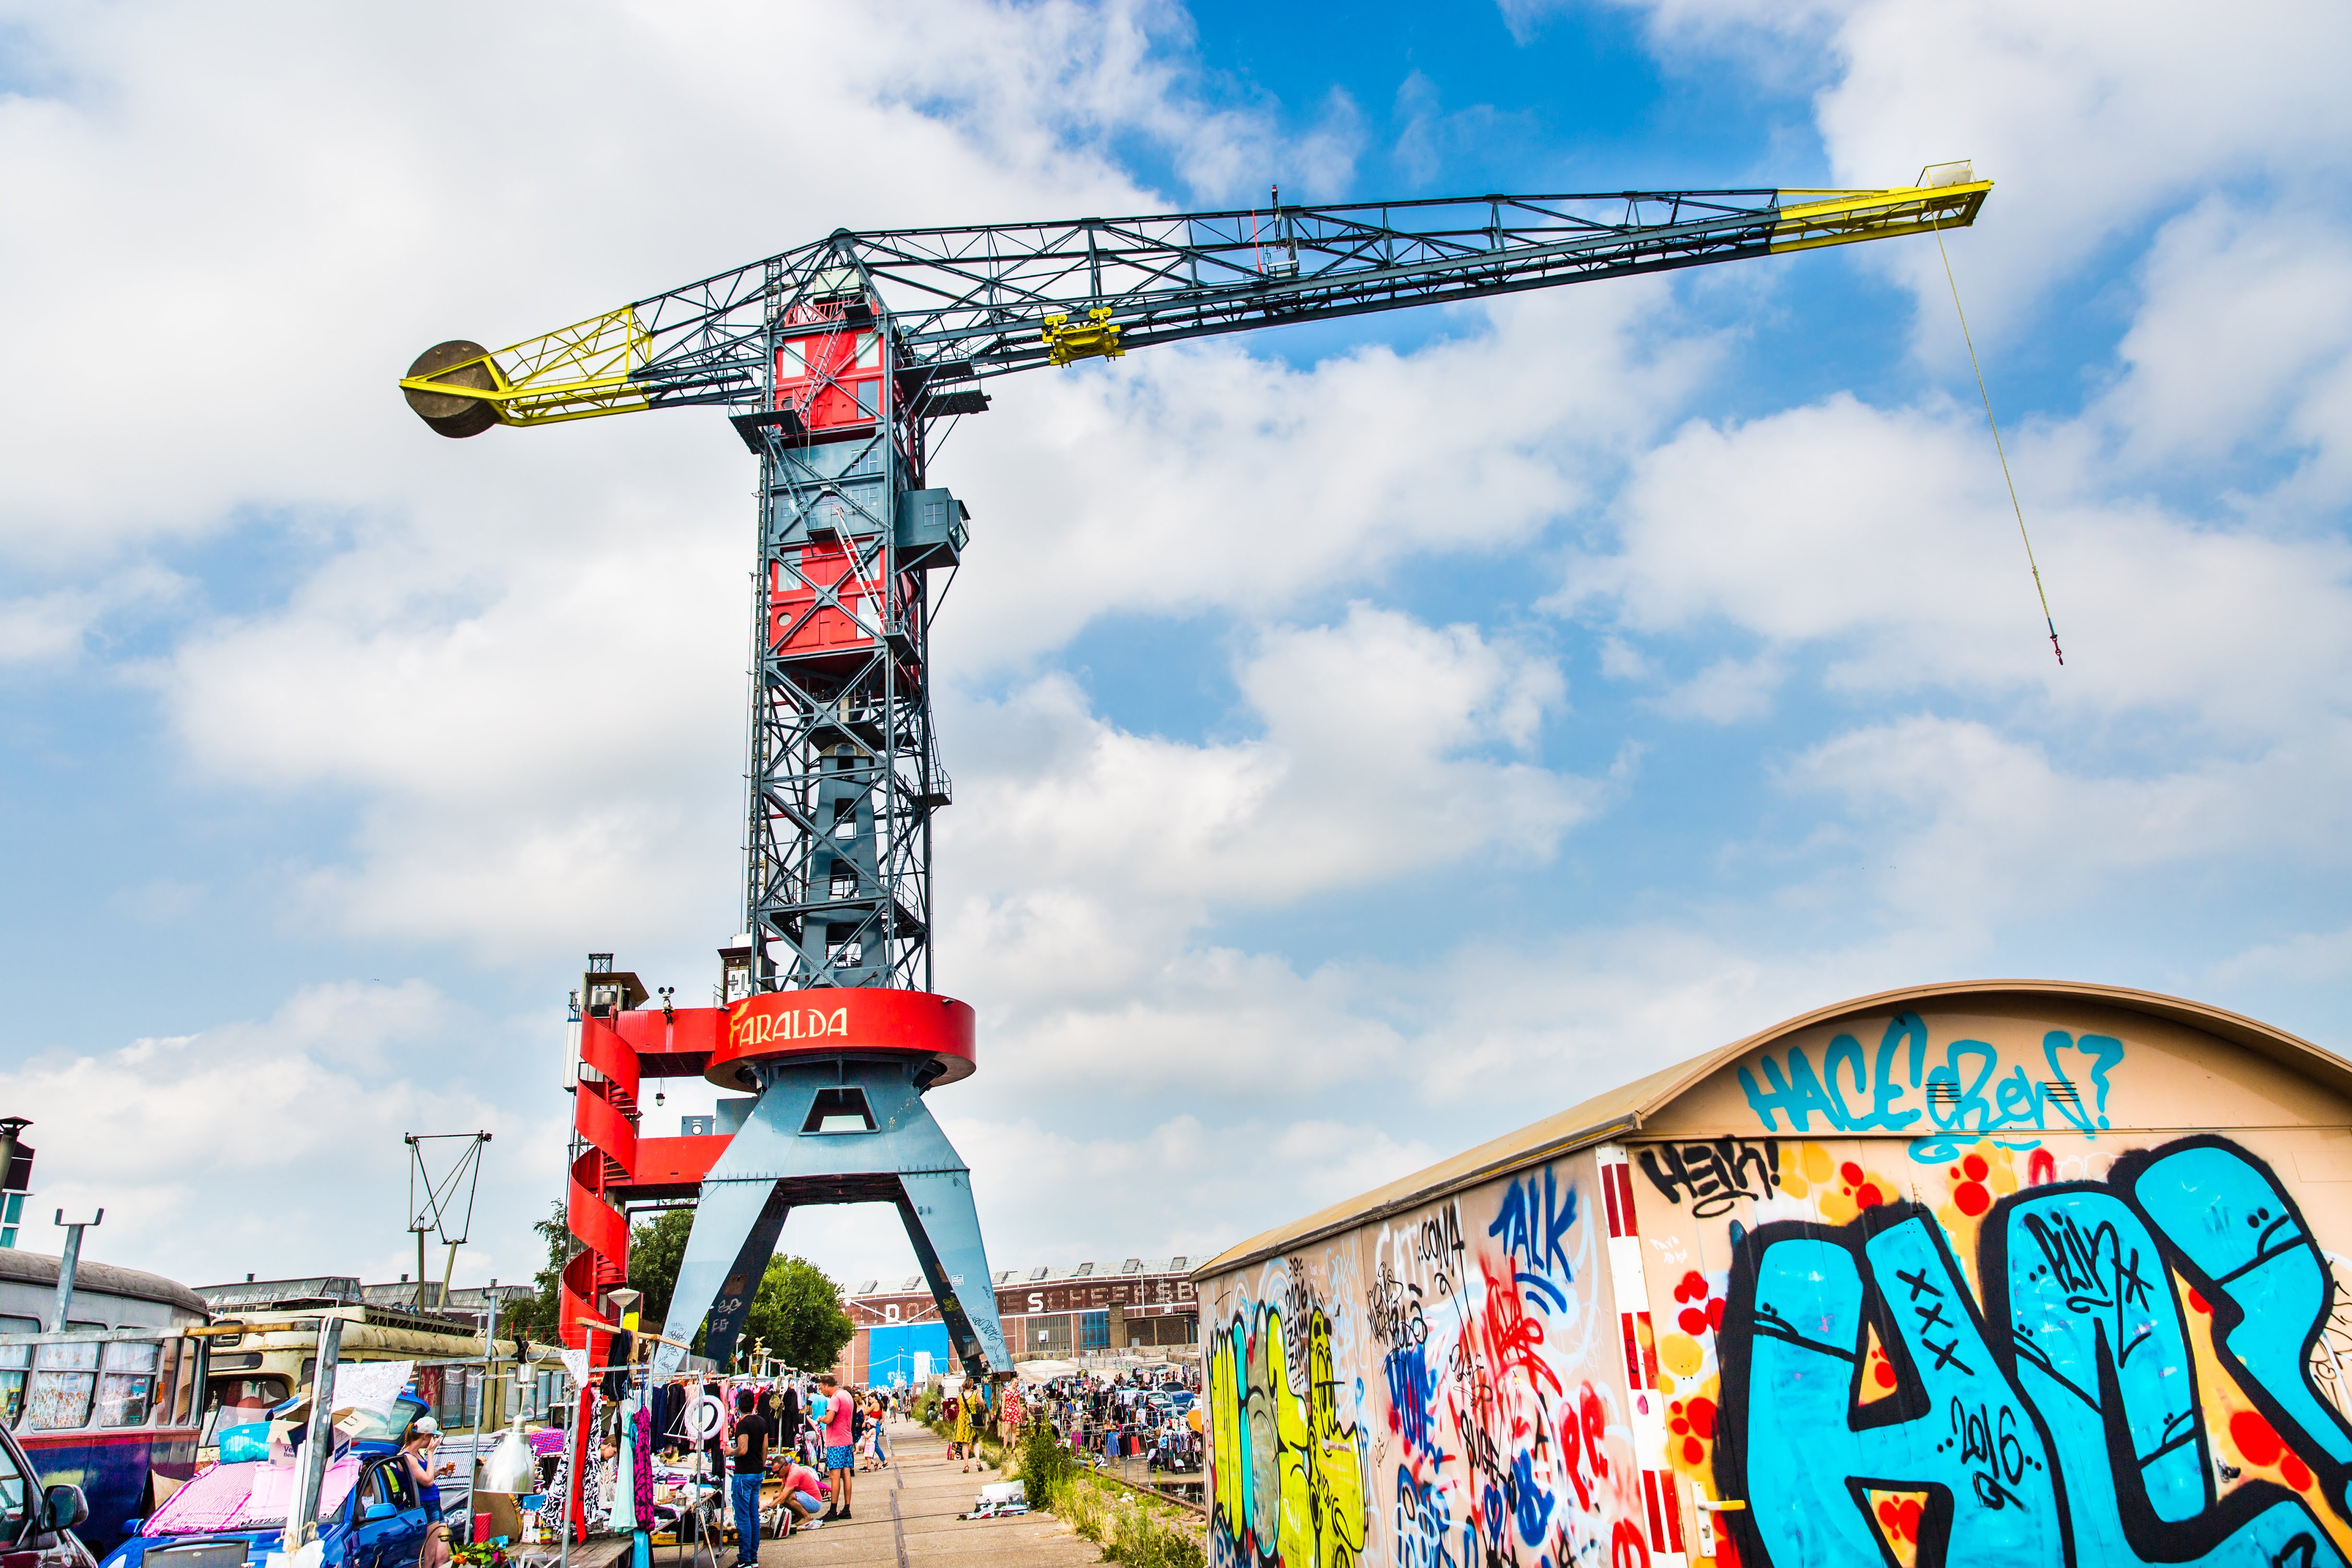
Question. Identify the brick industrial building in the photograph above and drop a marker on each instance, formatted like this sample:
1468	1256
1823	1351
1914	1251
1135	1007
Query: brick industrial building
1138	1306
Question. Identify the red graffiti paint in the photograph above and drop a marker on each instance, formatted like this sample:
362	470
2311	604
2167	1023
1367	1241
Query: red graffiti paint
1514	1340
2041	1168
2254	1438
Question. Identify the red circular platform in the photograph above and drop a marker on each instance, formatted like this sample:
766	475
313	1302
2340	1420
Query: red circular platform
777	1025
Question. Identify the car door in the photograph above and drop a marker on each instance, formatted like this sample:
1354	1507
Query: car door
403	1545
377	1519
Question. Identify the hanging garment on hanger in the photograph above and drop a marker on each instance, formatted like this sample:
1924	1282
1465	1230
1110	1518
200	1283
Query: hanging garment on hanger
644	1469
622	1513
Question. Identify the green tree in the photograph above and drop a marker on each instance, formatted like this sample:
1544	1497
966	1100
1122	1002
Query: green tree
797	1313
538	1318
655	1250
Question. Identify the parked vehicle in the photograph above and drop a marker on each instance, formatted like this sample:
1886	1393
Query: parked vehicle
264	1349
37	1522
106	1411
370	1514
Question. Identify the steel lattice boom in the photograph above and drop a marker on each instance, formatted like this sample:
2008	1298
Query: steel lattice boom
969	303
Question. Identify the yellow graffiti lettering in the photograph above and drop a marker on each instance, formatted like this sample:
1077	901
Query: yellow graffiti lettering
1288	1485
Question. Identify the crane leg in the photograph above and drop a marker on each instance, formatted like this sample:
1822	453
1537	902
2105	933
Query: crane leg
835	1132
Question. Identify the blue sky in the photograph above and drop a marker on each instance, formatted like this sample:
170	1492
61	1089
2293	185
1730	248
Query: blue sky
1370	736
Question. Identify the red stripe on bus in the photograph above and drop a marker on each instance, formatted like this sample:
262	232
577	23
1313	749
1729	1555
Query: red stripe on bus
77	1438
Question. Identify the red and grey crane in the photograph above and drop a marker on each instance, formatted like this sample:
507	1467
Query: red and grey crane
836	361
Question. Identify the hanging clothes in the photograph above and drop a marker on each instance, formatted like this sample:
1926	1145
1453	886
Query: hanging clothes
622	1510
644	1469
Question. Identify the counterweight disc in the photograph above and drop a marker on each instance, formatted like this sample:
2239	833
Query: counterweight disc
450	414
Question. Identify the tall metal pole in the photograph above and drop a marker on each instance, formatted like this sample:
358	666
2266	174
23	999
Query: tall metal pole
302	1509
66	1266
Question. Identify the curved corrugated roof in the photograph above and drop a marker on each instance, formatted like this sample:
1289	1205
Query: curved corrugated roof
1622	1109
39	1268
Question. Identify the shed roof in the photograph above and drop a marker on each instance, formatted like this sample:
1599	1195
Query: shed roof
1623	1110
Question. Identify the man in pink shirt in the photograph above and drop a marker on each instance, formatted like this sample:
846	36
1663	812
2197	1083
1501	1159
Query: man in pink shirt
804	1494
834	1412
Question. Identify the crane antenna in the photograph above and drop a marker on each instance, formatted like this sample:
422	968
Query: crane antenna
1994	425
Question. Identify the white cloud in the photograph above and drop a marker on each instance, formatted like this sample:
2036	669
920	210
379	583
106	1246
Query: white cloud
2243	346
2091	118
2306	958
275	1146
1387	747
1885	537
1727	691
1994	826
1195	478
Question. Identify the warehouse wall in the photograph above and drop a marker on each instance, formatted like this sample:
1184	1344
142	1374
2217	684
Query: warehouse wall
2048	1281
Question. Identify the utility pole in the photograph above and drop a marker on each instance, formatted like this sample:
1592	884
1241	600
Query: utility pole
67	1265
433	1200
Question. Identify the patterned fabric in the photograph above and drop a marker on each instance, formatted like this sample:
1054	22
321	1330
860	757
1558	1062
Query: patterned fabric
644	1469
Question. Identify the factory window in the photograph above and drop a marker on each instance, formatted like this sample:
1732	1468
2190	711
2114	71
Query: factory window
1093	1331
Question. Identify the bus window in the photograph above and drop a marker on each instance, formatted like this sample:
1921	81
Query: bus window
65	1378
236	1401
126	1384
166	1376
14	1360
191	1378
15	1325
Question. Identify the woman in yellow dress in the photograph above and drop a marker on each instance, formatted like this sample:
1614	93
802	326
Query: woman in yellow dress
963	1429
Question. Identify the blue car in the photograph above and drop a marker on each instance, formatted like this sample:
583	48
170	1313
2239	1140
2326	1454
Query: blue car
370	1515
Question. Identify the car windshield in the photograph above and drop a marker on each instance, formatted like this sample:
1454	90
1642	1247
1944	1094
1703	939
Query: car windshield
367	1427
16	1486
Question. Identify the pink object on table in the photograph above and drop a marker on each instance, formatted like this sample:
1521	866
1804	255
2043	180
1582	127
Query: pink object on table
251	1496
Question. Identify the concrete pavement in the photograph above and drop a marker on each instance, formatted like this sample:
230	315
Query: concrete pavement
906	1518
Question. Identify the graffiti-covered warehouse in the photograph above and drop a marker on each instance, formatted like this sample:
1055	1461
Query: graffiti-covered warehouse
2001	1272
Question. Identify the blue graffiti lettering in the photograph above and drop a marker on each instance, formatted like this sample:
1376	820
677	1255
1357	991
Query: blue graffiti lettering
1535	1226
1412	1392
1530	1504
2071	1431
1965	1095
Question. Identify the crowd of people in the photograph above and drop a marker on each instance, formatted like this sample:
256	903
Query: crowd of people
813	1436
1153	1414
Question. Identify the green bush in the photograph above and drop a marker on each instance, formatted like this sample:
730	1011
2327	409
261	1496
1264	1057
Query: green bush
1130	1528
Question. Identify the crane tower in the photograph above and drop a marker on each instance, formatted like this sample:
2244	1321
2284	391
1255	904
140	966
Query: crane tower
836	361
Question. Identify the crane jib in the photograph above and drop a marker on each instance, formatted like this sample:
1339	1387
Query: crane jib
994	300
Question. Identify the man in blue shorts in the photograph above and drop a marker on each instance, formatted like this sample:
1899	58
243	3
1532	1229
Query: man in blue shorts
834	1411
